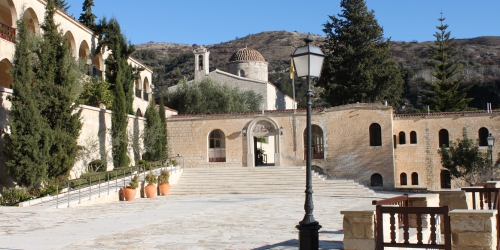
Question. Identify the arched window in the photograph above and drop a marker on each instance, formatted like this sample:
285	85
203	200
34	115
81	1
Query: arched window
483	137
376	180
145	89
138	92
413	137
375	135
217	146
444	138
316	142
414	178
6	79
138	112
200	62
402	137
402	179
445	179
242	73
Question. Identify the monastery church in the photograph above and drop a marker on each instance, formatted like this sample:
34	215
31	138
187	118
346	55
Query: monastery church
368	143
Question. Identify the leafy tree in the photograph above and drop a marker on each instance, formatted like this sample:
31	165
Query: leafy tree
447	92
121	76
58	79
26	148
62	4
152	134
358	65
464	160
87	18
209	97
163	131
96	92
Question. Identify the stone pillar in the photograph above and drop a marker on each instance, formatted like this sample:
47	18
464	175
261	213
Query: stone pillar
359	228
456	199
473	229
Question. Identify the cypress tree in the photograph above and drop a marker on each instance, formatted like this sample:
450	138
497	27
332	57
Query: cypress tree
163	130
26	148
59	80
447	92
152	134
87	18
358	65
62	4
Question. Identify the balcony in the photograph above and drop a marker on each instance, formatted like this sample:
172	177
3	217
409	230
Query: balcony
138	93
8	33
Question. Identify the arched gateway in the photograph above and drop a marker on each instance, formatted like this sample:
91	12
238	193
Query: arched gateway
263	127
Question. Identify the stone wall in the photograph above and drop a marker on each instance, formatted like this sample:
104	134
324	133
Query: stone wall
256	70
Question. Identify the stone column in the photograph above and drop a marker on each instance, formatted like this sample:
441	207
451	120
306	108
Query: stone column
359	228
473	229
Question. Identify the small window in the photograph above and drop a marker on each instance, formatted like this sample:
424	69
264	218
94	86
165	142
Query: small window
242	73
414	178
200	62
483	137
444	138
402	137
402	179
376	180
375	135
445	179
217	146
413	137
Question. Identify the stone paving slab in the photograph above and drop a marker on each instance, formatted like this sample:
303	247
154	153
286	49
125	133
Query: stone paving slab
177	222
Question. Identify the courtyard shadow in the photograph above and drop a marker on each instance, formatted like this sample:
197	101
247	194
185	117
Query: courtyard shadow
294	244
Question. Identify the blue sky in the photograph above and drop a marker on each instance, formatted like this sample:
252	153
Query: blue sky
212	22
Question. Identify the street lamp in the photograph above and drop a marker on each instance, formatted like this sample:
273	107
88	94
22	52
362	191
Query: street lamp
308	61
491	142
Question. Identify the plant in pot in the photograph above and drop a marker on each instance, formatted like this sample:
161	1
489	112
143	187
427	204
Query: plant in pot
129	191
164	186
150	189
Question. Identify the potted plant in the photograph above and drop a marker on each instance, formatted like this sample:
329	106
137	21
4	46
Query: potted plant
150	189
164	186
129	191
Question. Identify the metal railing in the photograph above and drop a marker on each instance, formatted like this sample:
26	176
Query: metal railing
8	33
85	187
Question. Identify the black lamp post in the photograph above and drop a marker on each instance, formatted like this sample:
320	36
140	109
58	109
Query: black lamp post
308	61
491	142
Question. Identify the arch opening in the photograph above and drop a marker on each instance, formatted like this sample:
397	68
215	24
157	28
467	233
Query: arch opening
402	137
6	79
403	179
444	138
376	180
483	137
8	18
413	137
216	146
414	178
317	147
145	89
375	135
32	20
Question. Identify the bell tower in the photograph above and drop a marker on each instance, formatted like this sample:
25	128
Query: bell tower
200	62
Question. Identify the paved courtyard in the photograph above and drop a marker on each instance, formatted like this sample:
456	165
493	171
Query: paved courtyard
176	222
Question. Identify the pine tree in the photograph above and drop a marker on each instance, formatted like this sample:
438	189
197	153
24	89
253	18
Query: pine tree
446	93
152	133
163	131
26	148
358	65
87	18
62	4
59	80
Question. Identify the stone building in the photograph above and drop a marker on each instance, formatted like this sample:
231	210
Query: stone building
364	142
247	70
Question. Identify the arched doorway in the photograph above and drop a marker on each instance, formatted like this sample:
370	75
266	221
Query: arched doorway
376	180
268	129
5	77
32	20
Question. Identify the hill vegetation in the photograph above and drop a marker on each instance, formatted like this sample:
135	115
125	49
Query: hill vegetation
479	56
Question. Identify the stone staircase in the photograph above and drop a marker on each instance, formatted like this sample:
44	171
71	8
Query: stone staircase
261	180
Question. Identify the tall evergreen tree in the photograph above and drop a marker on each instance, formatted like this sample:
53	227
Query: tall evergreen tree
26	148
87	18
358	65
62	4
447	92
59	78
121	75
152	134
163	130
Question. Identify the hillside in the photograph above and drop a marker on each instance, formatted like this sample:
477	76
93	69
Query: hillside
171	62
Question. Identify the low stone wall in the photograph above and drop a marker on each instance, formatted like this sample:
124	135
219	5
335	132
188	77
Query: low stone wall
473	229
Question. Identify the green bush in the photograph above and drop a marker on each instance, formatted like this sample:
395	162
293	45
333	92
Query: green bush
134	183
174	162
98	166
140	162
151	179
12	196
164	176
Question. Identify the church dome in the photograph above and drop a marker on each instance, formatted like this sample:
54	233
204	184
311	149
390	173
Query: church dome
247	54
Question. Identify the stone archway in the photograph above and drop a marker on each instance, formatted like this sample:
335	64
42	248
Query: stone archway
261	127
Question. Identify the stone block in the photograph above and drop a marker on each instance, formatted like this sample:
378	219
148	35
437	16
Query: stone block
359	244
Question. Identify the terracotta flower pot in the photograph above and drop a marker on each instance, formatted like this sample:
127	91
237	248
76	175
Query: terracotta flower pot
129	193
150	191
164	188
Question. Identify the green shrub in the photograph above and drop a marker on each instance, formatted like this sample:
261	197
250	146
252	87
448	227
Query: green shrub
164	176
151	179
50	187
98	166
140	162
12	196
174	162
134	183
